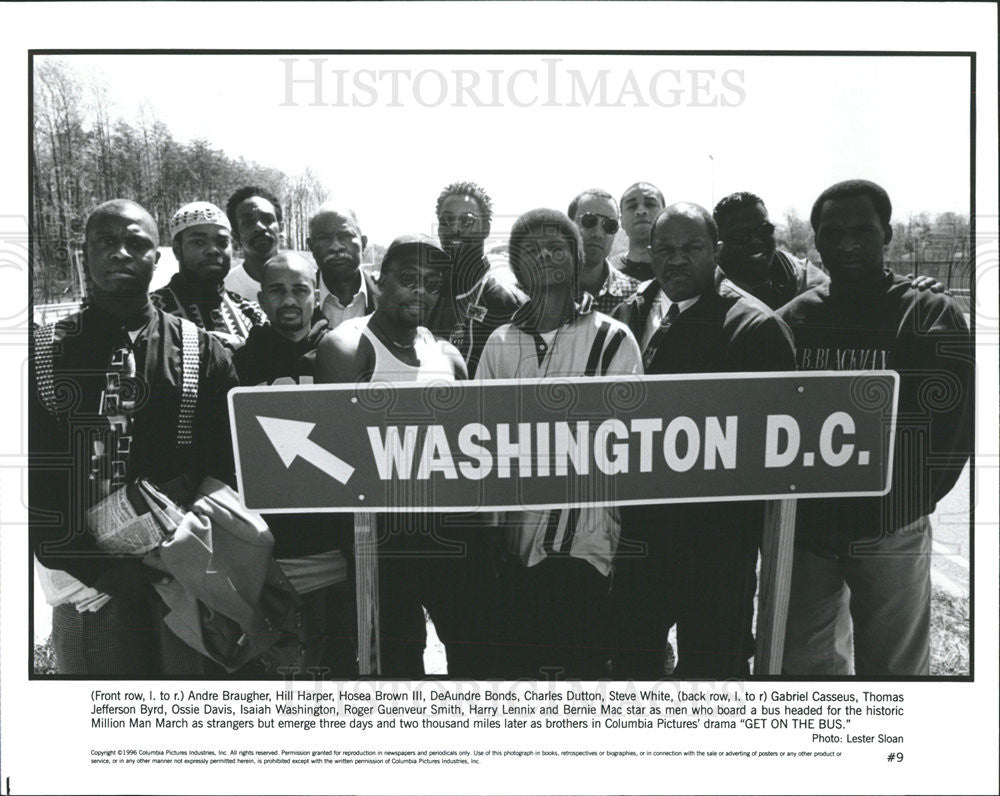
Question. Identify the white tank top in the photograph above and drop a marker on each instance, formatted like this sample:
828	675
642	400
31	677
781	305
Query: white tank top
434	364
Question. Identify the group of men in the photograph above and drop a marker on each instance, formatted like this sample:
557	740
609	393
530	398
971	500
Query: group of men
134	386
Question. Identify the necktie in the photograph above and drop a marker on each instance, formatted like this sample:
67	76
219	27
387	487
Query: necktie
654	341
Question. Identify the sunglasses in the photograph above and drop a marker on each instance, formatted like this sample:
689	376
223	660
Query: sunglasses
432	283
464	221
589	221
744	236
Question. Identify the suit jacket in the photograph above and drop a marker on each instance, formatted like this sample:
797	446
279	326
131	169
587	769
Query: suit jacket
718	334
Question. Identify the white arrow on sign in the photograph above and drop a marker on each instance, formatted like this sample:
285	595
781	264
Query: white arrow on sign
291	439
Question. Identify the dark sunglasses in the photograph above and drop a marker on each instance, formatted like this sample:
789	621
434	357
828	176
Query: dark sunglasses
432	283
744	236
589	221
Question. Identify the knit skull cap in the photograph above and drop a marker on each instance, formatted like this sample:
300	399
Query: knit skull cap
195	213
429	251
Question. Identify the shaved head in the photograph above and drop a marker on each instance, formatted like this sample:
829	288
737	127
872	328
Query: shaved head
120	252
123	208
691	211
684	243
288	294
288	261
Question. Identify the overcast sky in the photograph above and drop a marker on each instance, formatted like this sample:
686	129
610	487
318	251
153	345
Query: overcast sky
387	141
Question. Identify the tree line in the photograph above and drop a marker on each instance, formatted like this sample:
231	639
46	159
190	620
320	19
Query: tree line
82	155
939	246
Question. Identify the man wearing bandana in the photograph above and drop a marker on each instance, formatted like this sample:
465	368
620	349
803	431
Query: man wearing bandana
202	241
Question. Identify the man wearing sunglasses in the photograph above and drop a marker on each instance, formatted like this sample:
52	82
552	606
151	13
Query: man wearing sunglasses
425	560
481	292
596	216
749	256
641	203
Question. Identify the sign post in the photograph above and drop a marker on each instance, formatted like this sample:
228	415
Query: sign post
776	550
564	443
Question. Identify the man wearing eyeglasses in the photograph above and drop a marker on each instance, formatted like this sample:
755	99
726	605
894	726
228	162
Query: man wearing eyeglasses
481	292
640	204
424	560
596	216
692	563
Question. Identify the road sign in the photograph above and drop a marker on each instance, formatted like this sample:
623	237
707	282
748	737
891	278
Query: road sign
495	445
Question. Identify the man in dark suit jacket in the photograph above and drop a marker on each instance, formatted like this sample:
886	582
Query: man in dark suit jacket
345	290
693	563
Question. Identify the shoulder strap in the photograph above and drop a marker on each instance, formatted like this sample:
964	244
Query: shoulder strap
44	351
595	349
191	368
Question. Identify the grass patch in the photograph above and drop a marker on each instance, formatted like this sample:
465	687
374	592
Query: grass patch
949	634
45	658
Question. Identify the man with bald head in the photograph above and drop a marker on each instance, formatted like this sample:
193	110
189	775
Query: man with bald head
308	547
345	290
118	391
693	563
284	351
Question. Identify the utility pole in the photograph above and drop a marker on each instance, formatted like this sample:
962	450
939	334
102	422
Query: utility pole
712	159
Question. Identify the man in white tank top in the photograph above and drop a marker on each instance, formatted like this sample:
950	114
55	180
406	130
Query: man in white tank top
423	562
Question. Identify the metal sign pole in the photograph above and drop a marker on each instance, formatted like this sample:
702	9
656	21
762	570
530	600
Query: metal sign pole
776	550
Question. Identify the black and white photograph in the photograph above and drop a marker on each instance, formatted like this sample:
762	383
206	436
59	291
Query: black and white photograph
576	374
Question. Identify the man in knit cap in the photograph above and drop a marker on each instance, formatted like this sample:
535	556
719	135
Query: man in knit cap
555	588
202	240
